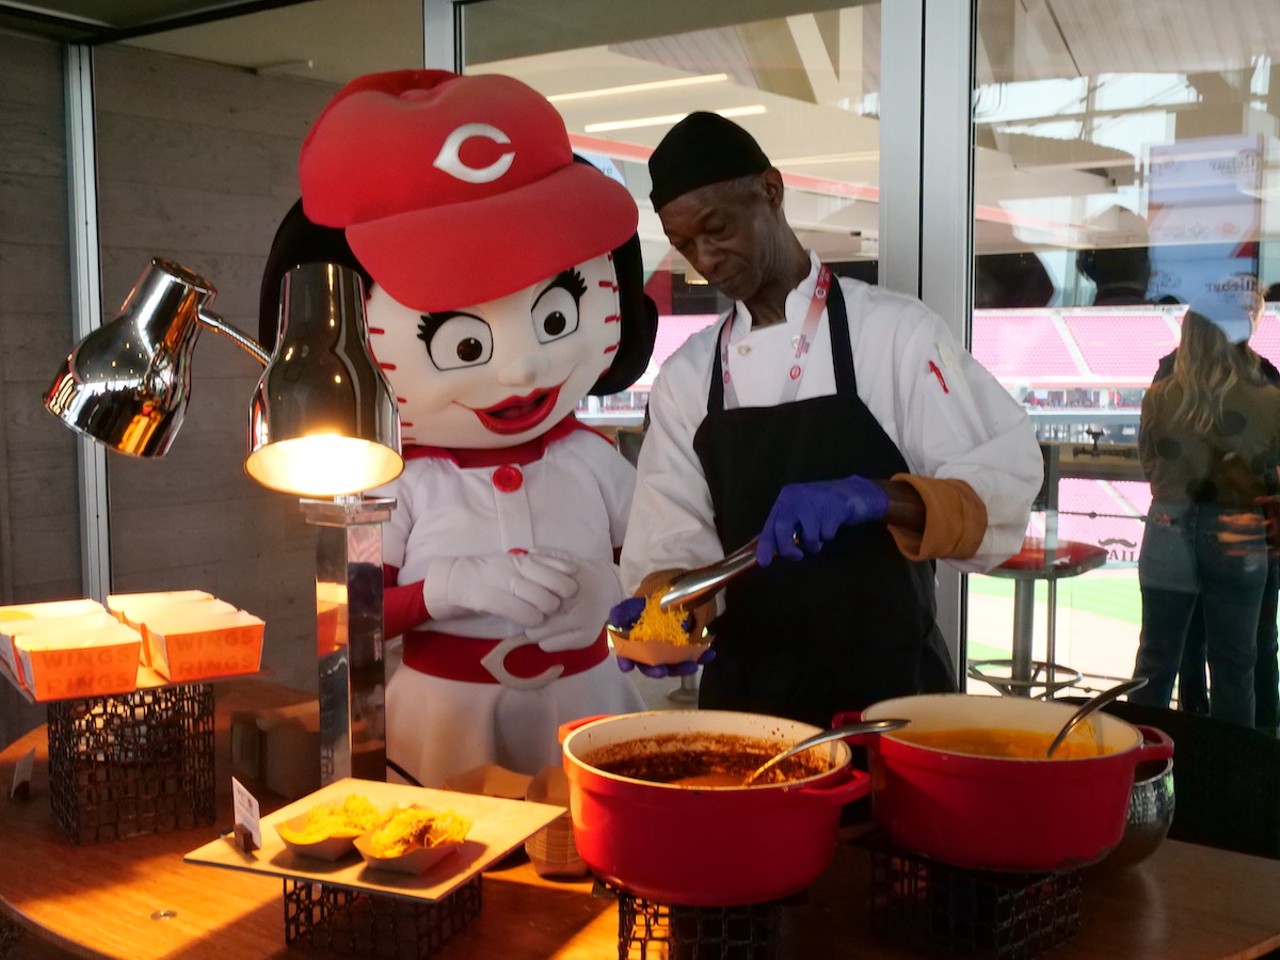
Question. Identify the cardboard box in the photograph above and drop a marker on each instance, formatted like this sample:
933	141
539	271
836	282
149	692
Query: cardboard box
189	643
79	661
133	608
278	748
331	617
10	630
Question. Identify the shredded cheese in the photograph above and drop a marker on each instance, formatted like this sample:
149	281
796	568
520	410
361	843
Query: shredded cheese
660	626
352	817
410	827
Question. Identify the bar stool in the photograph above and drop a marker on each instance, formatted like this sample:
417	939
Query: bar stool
1039	559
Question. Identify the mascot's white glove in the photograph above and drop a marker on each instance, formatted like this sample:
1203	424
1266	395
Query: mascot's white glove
523	588
580	620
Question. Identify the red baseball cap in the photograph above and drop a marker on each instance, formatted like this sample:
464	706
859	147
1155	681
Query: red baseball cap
456	190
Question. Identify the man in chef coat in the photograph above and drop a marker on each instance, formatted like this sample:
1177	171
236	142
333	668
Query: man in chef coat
840	422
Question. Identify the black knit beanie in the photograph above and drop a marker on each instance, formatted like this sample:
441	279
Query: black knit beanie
702	149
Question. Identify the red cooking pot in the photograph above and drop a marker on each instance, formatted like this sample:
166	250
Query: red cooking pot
1003	813
705	846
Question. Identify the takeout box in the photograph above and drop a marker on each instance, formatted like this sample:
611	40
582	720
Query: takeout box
445	834
327	848
415	862
654	652
189	643
280	747
133	608
491	780
11	629
331	617
79	661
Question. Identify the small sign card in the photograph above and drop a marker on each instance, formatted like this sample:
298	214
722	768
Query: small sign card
21	788
248	829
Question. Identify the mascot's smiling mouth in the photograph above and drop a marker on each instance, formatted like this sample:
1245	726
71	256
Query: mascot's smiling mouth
518	414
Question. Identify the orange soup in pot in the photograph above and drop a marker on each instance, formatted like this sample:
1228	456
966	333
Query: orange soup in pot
1009	744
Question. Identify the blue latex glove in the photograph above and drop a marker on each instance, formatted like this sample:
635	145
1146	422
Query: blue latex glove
624	616
807	515
660	670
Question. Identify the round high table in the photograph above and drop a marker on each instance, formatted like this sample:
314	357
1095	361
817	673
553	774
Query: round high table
137	900
1037	560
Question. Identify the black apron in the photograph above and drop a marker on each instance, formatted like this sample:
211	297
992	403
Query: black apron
845	627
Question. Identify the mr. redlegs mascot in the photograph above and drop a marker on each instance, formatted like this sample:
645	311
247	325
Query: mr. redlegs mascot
504	285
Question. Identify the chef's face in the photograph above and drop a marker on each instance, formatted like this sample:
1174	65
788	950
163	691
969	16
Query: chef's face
503	372
732	233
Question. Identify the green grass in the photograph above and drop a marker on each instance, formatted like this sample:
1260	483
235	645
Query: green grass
1114	596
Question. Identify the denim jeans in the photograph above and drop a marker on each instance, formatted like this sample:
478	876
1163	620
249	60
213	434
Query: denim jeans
1185	559
1193	687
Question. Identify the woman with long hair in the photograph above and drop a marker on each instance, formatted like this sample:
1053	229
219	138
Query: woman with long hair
1209	443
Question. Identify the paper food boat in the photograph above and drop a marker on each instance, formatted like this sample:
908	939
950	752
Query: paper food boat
133	608
78	660
654	652
416	860
10	630
491	780
49	609
328	848
190	642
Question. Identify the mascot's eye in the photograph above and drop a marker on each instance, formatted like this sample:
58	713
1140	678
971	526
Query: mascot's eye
456	340
555	314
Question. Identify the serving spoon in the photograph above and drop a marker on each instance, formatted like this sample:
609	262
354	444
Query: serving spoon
1101	700
835	733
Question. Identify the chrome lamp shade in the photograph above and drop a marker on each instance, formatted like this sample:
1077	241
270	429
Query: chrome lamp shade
323	421
127	384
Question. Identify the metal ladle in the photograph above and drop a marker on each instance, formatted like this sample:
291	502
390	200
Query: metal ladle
1089	706
835	733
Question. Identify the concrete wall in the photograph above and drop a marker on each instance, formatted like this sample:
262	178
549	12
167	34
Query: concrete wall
39	512
197	164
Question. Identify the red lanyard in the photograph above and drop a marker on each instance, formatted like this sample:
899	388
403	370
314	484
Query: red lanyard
790	386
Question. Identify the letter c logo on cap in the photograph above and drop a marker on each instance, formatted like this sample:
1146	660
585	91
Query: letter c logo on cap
451	163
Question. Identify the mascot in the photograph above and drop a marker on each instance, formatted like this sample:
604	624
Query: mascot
504	284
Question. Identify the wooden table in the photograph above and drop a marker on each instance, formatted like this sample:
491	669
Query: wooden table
1185	903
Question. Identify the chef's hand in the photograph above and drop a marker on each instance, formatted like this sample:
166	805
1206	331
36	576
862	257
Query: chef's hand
807	515
524	588
579	621
659	670
625	614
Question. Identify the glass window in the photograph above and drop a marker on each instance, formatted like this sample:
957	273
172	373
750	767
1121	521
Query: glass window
1123	172
804	81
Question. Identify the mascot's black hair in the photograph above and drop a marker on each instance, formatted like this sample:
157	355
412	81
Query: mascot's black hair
299	241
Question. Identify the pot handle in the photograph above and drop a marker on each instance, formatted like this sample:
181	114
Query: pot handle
569	726
1156	744
857	739
841	793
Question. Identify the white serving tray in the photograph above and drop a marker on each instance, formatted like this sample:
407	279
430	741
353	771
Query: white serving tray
498	827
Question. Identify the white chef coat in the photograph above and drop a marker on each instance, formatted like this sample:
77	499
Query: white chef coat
948	416
574	500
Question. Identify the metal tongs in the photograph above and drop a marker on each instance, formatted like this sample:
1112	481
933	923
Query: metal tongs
692	586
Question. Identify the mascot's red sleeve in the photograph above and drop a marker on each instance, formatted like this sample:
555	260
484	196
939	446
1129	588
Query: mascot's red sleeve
402	605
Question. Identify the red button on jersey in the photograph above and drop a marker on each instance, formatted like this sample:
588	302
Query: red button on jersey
508	478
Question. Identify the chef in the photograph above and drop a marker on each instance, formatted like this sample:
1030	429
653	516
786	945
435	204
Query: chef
505	285
840	422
